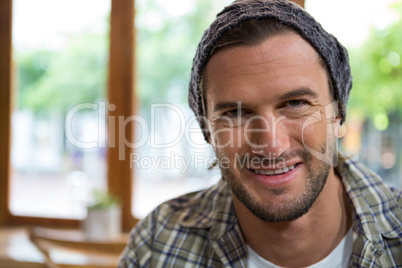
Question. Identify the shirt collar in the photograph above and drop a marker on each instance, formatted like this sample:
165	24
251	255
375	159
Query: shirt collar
215	209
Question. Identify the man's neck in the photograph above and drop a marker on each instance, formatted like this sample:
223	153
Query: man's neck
306	240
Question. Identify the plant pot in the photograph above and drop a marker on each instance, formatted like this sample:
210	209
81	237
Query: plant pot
103	223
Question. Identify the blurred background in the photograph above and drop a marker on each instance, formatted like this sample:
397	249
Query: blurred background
60	58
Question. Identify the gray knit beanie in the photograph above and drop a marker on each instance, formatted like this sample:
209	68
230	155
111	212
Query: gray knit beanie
327	46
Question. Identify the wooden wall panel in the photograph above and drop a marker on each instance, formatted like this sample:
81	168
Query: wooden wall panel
5	103
121	95
299	2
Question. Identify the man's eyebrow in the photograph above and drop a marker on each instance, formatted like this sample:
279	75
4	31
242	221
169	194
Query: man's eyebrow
288	95
298	93
226	105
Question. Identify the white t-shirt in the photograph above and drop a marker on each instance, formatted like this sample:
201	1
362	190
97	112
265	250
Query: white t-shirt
338	258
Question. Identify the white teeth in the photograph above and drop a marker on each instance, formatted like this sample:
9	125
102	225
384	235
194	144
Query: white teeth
292	167
277	171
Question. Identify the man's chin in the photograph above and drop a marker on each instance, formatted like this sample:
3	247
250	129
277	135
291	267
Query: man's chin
278	204
282	208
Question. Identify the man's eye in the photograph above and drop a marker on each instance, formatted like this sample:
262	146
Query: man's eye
233	113
296	103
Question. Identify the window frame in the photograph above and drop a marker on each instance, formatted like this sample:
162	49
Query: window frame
121	81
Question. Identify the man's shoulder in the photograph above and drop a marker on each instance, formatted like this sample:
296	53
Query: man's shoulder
196	208
377	215
200	209
371	195
359	179
369	189
180	225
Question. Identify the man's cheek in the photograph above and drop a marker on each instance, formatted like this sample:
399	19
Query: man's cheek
226	137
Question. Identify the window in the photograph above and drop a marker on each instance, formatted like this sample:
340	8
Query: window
60	68
121	56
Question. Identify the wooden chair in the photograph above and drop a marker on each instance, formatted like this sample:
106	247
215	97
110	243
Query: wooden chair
72	249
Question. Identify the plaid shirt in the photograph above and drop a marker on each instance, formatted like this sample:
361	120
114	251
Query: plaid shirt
201	229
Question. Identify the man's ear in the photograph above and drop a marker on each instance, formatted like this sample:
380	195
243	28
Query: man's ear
207	131
338	128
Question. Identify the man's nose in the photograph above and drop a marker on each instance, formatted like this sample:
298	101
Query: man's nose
269	137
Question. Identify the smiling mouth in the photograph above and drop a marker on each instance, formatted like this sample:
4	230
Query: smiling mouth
271	172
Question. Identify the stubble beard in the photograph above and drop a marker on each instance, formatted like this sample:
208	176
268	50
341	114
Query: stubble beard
291	209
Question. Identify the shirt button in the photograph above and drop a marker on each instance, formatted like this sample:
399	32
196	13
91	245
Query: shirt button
214	233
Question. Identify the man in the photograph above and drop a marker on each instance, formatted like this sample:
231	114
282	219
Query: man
270	88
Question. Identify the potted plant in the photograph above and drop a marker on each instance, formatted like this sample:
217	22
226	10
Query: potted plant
103	218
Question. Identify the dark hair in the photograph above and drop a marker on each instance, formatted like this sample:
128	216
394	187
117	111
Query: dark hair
250	33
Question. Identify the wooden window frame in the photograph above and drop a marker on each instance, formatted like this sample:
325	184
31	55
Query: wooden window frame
121	80
5	104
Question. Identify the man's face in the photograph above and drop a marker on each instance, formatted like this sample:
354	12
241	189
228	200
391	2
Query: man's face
266	105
